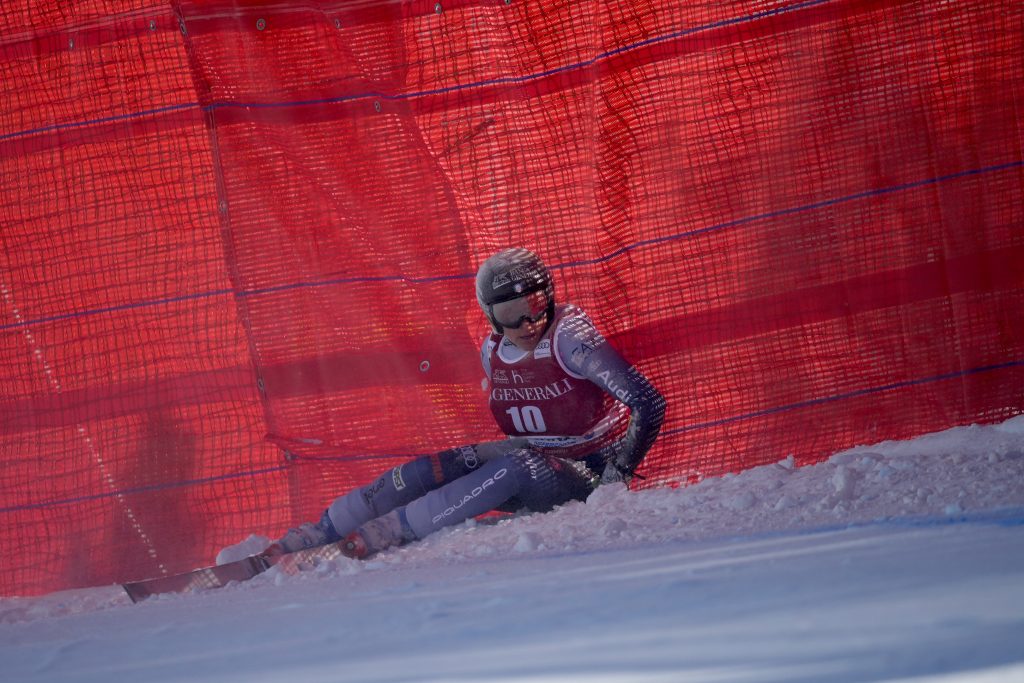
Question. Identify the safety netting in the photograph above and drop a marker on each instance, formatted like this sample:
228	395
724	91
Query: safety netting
239	240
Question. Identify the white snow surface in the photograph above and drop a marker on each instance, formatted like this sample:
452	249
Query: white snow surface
902	561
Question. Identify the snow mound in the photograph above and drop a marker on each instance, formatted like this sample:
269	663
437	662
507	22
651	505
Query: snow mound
942	476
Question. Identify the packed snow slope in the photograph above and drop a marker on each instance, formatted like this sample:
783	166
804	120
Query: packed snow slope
899	561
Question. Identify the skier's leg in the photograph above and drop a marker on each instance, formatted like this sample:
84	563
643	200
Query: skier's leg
399	487
391	490
539	482
560	481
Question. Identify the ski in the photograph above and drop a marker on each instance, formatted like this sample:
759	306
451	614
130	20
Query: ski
216	576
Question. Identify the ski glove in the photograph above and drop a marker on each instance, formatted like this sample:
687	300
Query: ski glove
614	470
615	473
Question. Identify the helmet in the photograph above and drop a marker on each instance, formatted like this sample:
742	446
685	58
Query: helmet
510	274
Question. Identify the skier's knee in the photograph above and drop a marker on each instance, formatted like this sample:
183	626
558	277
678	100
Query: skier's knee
430	471
537	485
449	465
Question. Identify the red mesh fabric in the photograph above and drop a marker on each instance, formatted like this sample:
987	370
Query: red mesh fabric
227	220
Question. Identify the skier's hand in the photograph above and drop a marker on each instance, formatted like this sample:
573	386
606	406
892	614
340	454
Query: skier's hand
614	474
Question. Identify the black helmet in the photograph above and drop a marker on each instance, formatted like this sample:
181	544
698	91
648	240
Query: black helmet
510	274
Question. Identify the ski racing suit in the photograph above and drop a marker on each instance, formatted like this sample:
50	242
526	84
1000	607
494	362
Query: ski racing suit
576	414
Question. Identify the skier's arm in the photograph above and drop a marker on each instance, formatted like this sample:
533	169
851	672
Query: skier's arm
584	351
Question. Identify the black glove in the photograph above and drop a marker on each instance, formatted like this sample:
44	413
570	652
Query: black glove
614	473
614	469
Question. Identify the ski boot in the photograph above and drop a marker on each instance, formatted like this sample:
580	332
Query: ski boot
306	535
378	534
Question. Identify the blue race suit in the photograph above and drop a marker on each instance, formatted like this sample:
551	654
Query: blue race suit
576	413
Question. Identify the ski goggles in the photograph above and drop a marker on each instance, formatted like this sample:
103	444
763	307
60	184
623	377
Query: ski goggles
526	309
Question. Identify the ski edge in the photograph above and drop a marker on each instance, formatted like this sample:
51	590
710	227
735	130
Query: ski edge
214	576
217	576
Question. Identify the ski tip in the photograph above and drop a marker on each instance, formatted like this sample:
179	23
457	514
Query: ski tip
203	578
136	591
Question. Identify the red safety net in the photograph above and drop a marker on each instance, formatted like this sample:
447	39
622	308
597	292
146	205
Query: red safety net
239	240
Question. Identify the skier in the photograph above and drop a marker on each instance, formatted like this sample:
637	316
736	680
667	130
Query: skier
575	411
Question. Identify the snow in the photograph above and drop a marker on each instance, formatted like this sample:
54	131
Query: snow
901	561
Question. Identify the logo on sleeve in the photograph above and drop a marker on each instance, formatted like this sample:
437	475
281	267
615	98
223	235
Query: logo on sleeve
581	352
613	387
